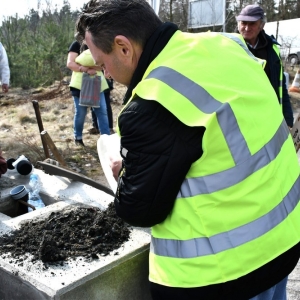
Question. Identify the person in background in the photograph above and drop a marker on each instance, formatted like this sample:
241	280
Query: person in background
251	22
95	128
218	185
75	86
3	164
110	83
4	69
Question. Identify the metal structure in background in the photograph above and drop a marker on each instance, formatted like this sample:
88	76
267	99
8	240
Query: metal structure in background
206	13
155	5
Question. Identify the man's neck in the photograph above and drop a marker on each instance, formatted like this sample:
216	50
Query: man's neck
253	43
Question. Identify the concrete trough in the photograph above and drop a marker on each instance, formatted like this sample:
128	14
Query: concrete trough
121	275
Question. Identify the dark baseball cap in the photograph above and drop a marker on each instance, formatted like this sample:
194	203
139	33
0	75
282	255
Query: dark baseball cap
251	13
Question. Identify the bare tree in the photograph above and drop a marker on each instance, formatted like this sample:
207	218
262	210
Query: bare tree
175	11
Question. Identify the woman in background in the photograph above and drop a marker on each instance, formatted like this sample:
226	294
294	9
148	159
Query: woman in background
95	128
81	61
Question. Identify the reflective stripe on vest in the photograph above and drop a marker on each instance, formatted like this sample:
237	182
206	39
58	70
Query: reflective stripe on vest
244	46
243	169
238	236
218	229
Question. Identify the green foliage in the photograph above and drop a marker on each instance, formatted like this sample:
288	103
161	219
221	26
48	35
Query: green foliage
37	45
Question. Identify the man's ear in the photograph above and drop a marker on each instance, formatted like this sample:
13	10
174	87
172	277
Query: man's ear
123	45
262	25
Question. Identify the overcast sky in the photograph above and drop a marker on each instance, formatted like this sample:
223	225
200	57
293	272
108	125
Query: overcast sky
22	7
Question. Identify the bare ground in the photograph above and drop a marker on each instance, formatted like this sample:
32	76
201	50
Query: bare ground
20	133
78	231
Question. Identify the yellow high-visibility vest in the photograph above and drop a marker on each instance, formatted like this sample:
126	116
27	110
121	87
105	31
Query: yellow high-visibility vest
85	58
238	207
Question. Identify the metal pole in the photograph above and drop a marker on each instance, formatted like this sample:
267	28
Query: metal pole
47	139
40	124
224	23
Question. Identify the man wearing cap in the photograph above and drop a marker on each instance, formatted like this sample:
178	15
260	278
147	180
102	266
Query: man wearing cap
251	22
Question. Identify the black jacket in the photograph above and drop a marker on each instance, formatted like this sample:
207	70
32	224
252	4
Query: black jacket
264	50
160	149
157	151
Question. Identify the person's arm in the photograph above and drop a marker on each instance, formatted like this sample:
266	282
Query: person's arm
3	164
4	70
72	64
76	67
157	151
286	104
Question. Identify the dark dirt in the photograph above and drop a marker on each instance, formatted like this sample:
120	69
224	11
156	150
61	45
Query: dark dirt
82	231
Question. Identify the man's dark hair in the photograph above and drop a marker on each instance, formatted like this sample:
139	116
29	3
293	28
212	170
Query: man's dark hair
105	19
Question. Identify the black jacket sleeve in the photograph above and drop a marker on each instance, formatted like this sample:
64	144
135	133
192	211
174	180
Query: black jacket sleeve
157	151
286	104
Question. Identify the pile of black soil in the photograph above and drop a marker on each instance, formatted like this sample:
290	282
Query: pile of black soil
81	231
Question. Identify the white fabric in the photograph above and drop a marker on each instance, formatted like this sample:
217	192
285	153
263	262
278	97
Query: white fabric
109	146
4	67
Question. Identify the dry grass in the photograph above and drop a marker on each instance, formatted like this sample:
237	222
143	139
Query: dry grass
20	134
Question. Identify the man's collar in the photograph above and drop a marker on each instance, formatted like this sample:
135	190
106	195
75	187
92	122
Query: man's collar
152	48
254	47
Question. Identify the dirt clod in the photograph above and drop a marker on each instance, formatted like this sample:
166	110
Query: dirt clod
81	231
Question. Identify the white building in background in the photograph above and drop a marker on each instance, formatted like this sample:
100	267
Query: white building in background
287	33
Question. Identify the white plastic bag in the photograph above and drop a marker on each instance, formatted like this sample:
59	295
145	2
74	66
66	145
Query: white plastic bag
108	146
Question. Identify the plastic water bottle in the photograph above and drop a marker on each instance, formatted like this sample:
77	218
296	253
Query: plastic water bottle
34	196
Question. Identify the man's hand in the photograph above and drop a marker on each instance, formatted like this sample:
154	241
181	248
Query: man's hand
115	165
5	87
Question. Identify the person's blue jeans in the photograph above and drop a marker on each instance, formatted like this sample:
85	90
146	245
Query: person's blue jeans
81	111
276	292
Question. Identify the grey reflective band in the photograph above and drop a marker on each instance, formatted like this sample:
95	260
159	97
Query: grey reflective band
207	184
207	104
245	165
238	41
186	87
232	133
203	246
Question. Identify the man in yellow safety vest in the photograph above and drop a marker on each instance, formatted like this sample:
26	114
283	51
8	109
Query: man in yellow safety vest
218	185
251	22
